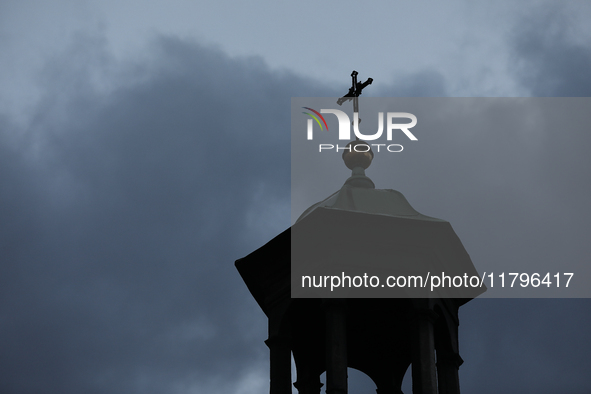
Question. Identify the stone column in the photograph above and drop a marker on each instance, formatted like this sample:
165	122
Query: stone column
280	355
448	378
336	346
424	377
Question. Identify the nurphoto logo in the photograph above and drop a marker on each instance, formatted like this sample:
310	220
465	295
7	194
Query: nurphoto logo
345	128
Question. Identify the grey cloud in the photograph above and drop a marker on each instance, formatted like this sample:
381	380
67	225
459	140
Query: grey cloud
548	60
122	230
422	83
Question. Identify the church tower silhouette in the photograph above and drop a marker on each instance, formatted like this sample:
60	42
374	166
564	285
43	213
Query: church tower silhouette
379	330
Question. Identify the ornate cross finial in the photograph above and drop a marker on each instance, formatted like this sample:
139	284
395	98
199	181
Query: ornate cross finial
354	91
356	158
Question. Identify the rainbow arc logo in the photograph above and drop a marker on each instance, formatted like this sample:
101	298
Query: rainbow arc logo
316	117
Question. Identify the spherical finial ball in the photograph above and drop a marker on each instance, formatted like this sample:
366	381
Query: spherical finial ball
360	154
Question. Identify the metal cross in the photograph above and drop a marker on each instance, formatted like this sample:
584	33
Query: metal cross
354	91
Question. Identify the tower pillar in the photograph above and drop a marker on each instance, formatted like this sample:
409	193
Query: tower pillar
280	369
424	376
336	346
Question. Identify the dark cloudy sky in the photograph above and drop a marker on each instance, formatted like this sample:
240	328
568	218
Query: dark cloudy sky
145	146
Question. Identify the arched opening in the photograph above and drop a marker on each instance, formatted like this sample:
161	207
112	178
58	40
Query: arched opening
358	382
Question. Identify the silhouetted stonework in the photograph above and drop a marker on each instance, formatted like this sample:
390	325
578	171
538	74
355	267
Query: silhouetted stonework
380	337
